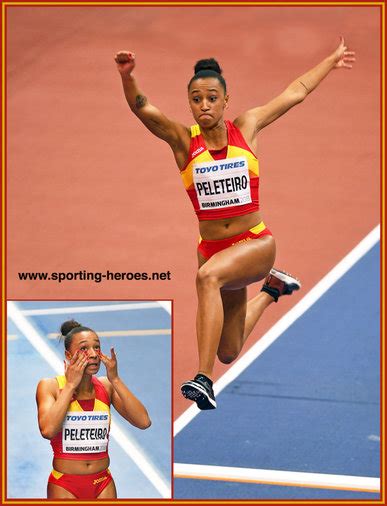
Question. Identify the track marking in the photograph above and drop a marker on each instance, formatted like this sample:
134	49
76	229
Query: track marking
167	305
90	309
127	443
273	477
110	333
284	323
123	333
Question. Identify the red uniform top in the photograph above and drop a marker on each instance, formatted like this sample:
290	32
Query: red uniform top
85	430
225	187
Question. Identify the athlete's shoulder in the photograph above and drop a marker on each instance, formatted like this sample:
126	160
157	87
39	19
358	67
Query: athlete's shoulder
49	382
243	121
102	379
243	133
105	383
47	386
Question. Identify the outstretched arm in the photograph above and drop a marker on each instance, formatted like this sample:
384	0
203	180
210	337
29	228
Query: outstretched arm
150	115
255	119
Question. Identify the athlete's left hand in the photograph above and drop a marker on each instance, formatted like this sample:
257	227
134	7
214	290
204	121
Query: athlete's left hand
343	58
110	364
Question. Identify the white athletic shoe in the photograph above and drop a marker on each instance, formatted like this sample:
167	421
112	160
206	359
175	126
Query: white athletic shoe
279	283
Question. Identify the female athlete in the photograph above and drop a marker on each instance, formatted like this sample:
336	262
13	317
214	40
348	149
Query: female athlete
74	413
220	172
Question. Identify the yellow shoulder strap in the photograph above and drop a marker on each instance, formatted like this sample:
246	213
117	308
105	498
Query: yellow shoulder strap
195	130
61	381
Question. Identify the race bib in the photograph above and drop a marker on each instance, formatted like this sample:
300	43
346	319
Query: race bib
85	432
222	183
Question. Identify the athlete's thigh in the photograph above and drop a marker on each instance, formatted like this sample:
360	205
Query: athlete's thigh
234	308
244	263
56	492
109	492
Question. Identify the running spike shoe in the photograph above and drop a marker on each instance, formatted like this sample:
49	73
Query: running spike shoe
200	390
279	283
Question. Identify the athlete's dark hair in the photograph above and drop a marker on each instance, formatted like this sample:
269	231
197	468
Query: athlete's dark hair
208	68
69	328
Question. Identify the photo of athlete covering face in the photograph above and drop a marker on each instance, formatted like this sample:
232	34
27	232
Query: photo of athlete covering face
86	390
74	414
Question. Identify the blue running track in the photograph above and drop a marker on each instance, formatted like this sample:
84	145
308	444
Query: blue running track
309	403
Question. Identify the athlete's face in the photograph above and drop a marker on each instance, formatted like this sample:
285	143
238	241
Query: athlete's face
88	343
207	101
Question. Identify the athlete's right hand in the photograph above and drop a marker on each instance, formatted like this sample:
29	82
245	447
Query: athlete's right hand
126	61
75	367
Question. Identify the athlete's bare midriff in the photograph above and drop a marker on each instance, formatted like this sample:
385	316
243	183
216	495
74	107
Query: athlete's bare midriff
212	230
67	466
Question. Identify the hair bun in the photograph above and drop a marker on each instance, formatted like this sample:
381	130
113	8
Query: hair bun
69	325
207	64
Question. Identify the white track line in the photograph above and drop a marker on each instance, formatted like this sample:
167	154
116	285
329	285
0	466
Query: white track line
167	305
284	323
90	309
127	444
122	333
273	477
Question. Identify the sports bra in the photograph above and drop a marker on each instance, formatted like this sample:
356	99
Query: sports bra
85	430
226	187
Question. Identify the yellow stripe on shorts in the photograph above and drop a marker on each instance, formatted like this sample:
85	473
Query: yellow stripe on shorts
258	228
56	474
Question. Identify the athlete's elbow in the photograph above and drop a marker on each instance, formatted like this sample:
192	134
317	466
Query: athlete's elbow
297	93
299	96
145	423
47	432
141	420
303	90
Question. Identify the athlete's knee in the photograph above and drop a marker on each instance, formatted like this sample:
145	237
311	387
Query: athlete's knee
207	278
226	356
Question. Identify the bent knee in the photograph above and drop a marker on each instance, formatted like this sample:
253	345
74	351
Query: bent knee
227	356
207	277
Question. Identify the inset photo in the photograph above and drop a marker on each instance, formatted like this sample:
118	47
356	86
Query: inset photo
89	399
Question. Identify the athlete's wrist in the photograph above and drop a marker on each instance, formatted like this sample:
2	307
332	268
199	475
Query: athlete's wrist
127	77
69	387
115	380
331	60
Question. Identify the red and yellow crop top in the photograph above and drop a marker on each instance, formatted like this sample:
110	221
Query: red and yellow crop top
85	430
221	188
